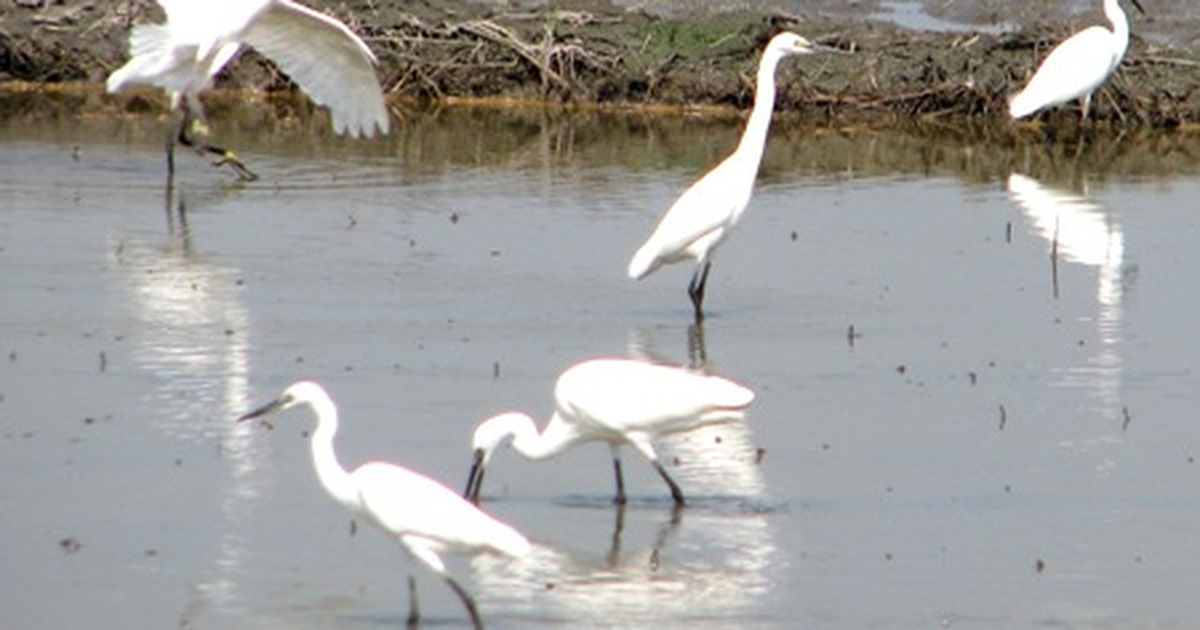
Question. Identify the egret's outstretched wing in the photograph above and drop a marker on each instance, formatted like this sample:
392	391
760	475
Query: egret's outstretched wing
328	61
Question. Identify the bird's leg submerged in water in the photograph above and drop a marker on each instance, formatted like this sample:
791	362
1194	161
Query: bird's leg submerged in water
676	493
195	126
467	601
621	499
414	613
696	289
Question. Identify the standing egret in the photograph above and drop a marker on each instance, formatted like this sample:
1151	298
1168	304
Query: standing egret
329	62
1076	67
425	516
619	401
702	217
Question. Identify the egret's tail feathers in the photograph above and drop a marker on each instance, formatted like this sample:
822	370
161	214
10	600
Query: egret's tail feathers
644	261
1022	105
731	395
511	542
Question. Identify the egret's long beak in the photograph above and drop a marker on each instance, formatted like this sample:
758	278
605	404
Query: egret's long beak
1139	6
475	479
274	405
816	47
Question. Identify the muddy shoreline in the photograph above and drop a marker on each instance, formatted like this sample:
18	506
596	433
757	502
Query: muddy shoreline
606	55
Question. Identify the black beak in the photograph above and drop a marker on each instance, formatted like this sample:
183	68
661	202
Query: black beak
1139	6
475	479
263	410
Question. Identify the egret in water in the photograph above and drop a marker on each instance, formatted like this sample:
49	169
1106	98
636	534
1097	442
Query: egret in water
702	217
328	61
619	401
425	516
1076	67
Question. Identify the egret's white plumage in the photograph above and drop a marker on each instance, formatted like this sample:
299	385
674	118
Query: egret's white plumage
328	61
618	401
1077	66
425	516
702	217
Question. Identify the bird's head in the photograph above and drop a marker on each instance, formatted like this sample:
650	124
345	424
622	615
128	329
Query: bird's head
789	43
488	436
304	392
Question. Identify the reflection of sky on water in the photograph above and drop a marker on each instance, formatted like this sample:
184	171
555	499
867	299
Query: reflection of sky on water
702	567
1082	232
191	340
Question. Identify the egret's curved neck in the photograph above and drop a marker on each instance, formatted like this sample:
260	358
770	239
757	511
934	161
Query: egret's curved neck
755	137
335	478
554	439
1120	24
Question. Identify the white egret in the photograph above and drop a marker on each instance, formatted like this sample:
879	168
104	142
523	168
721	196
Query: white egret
425	516
1076	67
328	61
619	401
702	217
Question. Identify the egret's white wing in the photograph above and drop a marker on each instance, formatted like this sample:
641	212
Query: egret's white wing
416	507
328	61
624	395
1074	68
704	211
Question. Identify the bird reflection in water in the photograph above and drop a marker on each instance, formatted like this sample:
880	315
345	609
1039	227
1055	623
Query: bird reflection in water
707	565
1080	231
191	340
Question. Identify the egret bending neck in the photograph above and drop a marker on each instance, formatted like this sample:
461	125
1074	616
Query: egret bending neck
336	480
557	437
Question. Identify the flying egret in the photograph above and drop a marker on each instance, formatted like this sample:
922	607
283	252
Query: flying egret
619	401
329	62
425	516
702	217
1076	67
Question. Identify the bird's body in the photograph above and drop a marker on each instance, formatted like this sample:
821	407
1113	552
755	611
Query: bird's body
1077	67
328	61
426	517
618	401
700	220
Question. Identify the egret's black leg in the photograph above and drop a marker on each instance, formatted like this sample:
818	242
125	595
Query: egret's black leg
475	480
696	289
467	601
414	614
676	493
620	498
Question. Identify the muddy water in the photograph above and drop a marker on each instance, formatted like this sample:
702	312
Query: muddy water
974	360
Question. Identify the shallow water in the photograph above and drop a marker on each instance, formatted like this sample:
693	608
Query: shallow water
975	389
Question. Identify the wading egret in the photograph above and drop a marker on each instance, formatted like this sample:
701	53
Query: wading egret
1076	67
702	217
619	401
425	516
329	62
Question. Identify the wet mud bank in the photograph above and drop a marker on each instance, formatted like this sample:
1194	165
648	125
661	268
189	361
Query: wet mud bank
597	54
